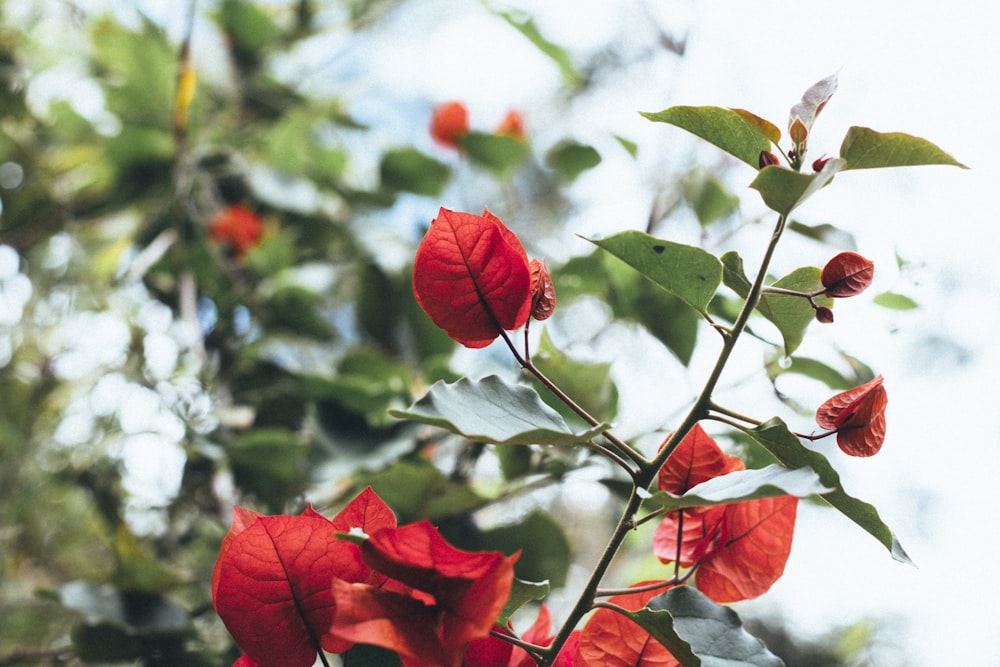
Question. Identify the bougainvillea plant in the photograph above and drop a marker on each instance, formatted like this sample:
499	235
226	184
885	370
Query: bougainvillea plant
291	588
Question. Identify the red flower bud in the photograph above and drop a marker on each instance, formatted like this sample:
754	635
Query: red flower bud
511	126
238	226
767	159
820	162
543	292
449	123
824	314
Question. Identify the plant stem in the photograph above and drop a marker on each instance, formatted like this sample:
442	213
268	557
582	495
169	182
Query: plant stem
648	470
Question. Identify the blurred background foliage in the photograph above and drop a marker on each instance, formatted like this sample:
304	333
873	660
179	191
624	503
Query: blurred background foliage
155	371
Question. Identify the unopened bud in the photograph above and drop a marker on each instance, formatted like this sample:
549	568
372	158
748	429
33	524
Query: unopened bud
767	159
819	163
824	314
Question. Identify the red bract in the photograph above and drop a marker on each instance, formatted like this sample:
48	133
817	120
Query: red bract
456	596
741	548
543	292
237	226
471	277
271	583
858	416
512	125
847	274
611	640
494	652
449	123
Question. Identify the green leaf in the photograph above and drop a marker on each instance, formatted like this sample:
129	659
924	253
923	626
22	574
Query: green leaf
295	309
863	148
521	593
733	275
630	146
490	410
824	233
698	631
792	314
499	153
549	557
687	272
525	25
895	301
811	368
410	170
741	485
783	189
269	463
730	129
570	158
709	198
774	436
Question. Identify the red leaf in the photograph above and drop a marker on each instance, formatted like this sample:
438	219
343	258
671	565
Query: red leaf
471	277
611	640
697	459
858	416
756	541
244	661
847	274
449	123
271	583
456	597
271	586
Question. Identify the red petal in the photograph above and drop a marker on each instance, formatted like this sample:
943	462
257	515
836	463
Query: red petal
271	586
837	408
847	274
367	512
244	661
697	459
611	640
449	122
471	588
758	539
370	615
701	532
471	277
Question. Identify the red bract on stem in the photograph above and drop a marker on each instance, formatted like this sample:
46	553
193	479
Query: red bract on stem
858	417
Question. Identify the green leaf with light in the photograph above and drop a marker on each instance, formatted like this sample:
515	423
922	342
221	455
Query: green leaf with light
735	131
864	148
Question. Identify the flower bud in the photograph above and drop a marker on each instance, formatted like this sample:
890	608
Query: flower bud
824	314
767	159
820	162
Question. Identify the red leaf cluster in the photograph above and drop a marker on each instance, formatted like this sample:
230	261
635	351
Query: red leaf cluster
289	586
847	274
238	226
472	277
739	549
449	123
858	417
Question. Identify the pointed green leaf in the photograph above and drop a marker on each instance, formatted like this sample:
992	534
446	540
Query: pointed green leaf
792	314
687	272
774	436
728	129
491	410
811	368
709	198
867	149
783	189
570	158
735	487
733	274
521	593
527	27
697	631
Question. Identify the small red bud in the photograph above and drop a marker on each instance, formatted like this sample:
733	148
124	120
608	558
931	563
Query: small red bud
767	159
824	315
820	162
543	292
